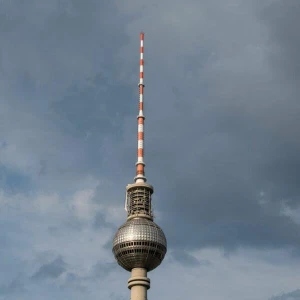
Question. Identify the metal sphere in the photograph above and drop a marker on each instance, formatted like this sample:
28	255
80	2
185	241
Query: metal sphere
139	243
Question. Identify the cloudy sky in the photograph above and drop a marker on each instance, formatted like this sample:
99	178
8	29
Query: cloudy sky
222	145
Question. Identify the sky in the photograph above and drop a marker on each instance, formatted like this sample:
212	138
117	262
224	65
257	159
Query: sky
222	88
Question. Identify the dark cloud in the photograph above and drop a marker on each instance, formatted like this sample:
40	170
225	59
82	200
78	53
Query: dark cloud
188	260
219	132
102	269
51	270
100	222
74	282
282	20
228	138
107	245
295	295
13	181
62	68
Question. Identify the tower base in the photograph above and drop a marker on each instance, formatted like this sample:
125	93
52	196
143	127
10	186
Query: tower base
138	283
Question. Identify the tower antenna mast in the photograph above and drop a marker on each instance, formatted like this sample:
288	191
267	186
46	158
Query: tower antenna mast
139	245
140	165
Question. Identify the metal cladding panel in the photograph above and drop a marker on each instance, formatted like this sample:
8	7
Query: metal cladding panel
139	243
140	229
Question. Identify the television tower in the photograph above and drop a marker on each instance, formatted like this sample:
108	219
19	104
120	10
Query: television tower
139	245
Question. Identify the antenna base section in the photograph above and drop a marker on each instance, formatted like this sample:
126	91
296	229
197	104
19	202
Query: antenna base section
139	200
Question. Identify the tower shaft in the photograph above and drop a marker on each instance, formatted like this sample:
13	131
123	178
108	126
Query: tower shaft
138	283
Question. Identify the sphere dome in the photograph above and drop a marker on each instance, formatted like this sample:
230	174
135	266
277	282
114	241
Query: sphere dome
139	243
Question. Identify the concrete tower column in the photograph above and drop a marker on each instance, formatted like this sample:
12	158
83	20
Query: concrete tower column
138	283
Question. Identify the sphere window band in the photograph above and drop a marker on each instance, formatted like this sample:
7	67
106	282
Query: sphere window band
144	243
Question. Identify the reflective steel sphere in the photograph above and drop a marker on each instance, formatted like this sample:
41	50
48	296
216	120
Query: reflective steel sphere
139	243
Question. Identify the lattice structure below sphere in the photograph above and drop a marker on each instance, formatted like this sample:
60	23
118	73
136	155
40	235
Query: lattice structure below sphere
139	243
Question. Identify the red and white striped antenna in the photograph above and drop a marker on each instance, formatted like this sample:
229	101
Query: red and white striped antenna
140	165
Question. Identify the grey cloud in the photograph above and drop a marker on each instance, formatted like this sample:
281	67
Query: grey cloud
221	105
227	143
14	287
70	224
114	296
295	295
51	270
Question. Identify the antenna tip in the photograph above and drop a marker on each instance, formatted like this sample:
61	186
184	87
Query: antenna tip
142	35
